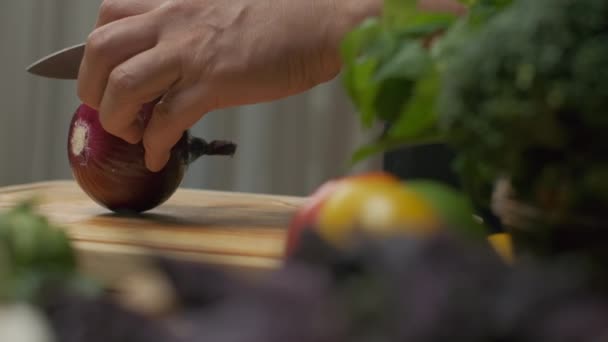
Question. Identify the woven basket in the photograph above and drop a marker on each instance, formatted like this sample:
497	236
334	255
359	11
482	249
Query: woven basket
546	233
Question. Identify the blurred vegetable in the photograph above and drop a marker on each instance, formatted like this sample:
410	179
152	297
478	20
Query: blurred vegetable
503	245
35	255
525	99
308	214
382	209
32	242
379	204
394	65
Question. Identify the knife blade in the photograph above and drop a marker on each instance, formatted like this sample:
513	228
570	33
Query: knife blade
62	64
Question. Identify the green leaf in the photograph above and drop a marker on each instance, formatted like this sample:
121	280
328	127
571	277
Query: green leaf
415	125
484	10
33	253
372	149
387	143
421	24
418	118
377	56
454	207
397	12
406	14
396	77
360	54
410	61
35	243
32	242
467	2
359	39
362	90
391	77
391	97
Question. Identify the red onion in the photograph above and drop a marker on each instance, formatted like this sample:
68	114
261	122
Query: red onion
112	171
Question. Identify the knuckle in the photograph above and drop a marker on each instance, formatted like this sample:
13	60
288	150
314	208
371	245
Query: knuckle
171	6
176	7
109	9
122	80
96	43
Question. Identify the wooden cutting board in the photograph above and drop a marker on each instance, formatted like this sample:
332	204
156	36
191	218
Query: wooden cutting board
244	231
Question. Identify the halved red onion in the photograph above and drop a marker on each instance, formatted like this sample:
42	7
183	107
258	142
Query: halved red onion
112	171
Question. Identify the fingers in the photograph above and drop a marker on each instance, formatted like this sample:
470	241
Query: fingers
112	10
133	83
175	113
109	46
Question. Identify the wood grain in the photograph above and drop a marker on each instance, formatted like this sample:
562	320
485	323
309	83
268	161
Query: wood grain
243	231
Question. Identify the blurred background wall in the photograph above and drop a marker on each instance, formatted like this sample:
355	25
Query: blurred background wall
285	147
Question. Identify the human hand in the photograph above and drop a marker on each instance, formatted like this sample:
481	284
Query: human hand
203	55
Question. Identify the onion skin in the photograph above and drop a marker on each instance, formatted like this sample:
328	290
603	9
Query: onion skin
112	172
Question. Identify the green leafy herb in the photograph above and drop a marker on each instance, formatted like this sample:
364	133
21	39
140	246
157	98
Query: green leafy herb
393	74
524	99
35	254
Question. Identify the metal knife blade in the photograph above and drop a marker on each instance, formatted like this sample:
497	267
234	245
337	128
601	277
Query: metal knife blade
63	64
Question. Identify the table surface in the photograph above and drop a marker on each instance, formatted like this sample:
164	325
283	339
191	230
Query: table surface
241	230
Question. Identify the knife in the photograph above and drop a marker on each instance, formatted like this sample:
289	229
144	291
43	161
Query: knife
63	64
